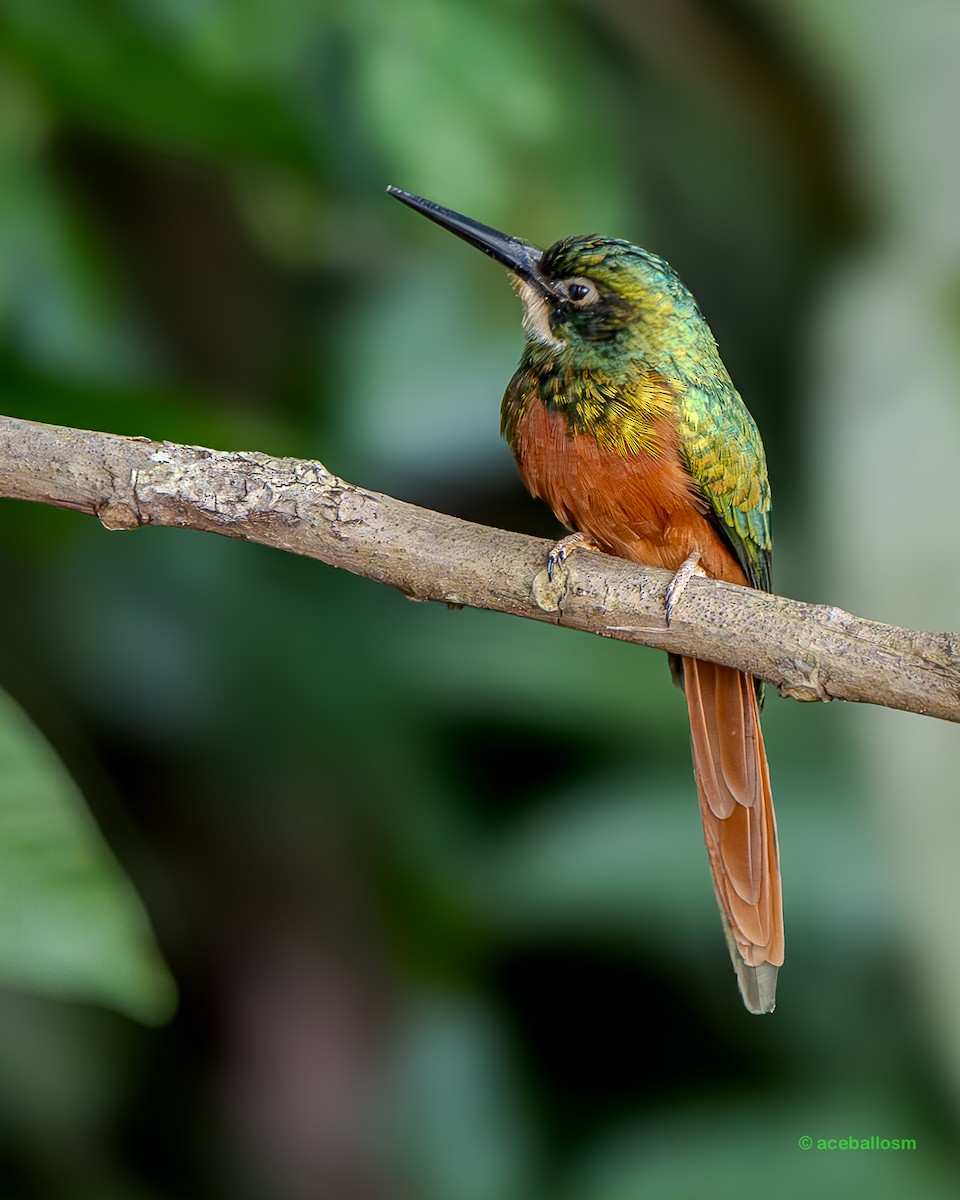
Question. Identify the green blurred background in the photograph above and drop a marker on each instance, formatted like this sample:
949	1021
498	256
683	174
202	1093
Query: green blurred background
432	884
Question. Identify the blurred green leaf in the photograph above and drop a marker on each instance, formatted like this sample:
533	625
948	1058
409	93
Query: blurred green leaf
470	116
73	927
57	298
463	1130
603	858
129	76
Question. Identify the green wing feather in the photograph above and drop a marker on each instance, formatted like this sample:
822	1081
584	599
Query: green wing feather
724	453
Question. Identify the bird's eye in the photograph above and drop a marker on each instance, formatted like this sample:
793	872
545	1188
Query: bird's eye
580	292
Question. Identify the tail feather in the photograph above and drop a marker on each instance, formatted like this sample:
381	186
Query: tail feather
739	826
738	755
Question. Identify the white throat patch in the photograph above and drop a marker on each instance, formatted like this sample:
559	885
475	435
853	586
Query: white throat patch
536	319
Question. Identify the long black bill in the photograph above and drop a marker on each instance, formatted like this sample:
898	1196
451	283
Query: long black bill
514	254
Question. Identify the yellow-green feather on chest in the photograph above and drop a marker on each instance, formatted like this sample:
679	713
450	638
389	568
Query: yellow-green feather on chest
621	417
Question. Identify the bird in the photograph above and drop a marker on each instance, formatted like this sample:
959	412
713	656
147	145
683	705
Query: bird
623	418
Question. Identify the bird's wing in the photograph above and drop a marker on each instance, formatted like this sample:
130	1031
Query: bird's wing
723	452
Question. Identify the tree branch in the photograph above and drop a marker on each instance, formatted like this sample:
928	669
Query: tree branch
808	651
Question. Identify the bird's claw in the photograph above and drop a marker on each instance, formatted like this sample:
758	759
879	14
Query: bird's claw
688	568
561	551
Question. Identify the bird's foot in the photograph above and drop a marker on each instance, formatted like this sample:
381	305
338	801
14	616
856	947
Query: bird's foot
564	548
688	568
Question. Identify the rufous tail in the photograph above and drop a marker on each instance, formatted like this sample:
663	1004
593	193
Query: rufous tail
739	825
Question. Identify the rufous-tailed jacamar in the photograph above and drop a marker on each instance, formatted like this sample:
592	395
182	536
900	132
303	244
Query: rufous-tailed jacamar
622	417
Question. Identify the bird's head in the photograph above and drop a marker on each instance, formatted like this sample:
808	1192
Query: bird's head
592	300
